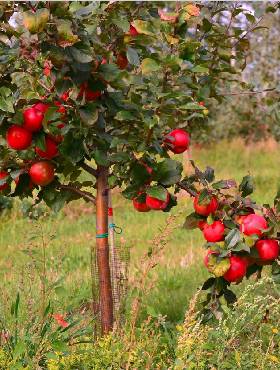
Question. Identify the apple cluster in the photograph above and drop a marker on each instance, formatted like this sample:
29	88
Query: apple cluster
253	228
19	137
177	141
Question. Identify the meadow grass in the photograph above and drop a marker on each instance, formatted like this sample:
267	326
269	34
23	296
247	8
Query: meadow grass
69	235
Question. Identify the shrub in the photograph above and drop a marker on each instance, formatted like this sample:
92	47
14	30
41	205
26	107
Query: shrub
248	337
148	348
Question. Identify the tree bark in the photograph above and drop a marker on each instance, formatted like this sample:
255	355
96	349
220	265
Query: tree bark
102	251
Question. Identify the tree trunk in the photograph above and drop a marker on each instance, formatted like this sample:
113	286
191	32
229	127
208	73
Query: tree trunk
102	251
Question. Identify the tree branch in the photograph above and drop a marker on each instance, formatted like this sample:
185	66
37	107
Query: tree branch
89	169
86	195
189	191
248	92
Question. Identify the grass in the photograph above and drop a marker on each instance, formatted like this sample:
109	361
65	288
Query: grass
69	235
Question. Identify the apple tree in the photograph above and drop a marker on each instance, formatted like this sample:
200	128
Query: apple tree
110	89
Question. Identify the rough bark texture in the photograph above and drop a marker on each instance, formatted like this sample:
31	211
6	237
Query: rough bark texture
102	252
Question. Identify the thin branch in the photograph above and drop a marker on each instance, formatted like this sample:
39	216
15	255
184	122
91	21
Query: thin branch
248	31
189	191
89	169
248	92
86	195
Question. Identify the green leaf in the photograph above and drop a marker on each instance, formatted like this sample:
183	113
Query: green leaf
241	247
149	65
6	104
200	69
36	21
247	186
125	115
81	56
101	157
191	221
51	115
132	56
230	297
89	115
131	191
119	157
168	172
40	140
143	27
65	33
224	184
192	106
233	238
158	192
121	22
110	72
208	283
72	148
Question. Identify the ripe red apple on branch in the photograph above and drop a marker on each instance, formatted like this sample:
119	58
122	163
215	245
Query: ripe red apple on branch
237	270
253	224
18	137
207	206
268	249
177	141
214	232
42	173
33	119
157	204
140	204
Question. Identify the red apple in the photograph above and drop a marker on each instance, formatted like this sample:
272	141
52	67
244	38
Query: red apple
18	138
237	269
206	207
157	204
42	107
41	173
33	119
3	174
253	224
133	31
268	249
139	203
89	94
214	232
50	151
201	224
177	141
122	61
